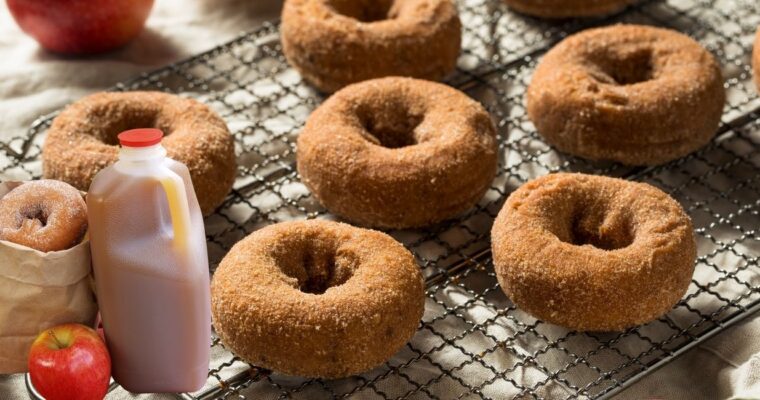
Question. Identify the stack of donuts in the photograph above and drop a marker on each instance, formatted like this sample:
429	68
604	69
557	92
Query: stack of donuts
393	149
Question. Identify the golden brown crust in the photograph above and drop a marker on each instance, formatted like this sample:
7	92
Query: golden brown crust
349	153
331	45
593	253
634	94
756	59
568	8
45	215
267	308
82	140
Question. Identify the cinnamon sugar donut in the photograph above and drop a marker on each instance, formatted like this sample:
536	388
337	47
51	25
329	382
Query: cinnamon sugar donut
593	253
82	140
398	153
567	8
756	59
45	215
317	298
333	43
634	94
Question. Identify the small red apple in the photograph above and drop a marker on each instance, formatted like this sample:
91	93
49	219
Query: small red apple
70	362
81	26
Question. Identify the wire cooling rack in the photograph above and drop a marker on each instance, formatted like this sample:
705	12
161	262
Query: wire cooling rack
473	343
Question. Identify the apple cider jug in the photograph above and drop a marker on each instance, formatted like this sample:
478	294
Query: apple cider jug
151	268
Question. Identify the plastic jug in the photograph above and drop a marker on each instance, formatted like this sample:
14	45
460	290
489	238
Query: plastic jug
151	268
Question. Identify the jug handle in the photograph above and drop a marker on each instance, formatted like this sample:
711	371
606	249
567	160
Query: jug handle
179	210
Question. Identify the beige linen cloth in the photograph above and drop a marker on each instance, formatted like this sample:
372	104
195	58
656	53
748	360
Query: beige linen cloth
33	82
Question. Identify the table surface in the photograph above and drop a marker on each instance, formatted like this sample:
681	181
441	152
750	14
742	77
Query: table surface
34	82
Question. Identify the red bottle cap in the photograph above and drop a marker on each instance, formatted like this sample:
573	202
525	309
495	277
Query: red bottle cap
143	137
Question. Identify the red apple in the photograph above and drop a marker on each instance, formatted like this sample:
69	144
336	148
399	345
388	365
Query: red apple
70	362
81	26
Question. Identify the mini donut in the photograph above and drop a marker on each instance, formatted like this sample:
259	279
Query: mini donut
398	153
45	215
634	94
333	43
317	298
593	253
567	8
82	140
756	59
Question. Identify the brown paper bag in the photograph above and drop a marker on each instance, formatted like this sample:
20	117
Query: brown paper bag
38	291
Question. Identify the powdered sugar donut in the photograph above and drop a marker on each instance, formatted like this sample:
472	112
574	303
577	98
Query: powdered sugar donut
45	215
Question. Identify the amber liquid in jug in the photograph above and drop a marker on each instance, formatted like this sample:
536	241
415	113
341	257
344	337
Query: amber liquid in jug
151	268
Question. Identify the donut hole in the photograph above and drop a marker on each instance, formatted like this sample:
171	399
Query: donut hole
628	68
364	11
36	212
314	263
391	124
110	131
595	228
602	240
323	272
129	118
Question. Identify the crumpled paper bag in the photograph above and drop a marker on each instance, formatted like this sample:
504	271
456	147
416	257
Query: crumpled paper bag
38	291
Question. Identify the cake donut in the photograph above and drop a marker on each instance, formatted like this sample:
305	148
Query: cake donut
45	215
593	253
82	140
317	298
398	153
756	59
333	43
634	94
567	8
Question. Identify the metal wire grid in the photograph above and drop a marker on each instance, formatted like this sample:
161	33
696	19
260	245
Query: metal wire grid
473	343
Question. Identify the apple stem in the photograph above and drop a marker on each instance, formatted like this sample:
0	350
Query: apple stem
55	338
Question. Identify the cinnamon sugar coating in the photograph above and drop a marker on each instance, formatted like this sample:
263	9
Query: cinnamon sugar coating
593	253
756	59
82	140
45	215
333	43
398	153
317	298
567	8
634	94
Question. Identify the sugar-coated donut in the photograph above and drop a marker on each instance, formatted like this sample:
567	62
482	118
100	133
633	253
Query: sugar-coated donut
593	253
398	152
634	94
567	8
45	215
756	59
317	298
82	140
333	43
